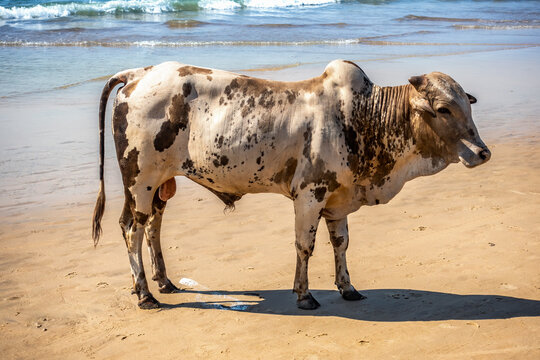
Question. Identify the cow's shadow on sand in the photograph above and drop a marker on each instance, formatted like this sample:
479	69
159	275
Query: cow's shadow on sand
380	305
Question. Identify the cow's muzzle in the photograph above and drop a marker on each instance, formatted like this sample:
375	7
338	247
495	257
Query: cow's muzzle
472	154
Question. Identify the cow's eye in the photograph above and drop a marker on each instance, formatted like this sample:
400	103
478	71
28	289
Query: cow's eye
443	110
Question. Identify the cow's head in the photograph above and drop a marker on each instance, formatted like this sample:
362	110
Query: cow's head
442	104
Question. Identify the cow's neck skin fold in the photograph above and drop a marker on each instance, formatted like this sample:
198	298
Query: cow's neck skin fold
382	118
390	134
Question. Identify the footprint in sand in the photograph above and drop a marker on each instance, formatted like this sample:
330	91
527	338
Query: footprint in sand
507	286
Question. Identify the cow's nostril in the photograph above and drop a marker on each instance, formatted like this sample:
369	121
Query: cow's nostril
485	154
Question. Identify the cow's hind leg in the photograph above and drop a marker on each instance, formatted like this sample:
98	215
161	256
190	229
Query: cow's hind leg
153	230
339	236
133	224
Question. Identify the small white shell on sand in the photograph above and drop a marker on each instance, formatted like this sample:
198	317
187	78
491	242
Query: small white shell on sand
188	282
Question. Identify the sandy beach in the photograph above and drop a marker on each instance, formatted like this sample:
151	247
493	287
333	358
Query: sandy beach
449	268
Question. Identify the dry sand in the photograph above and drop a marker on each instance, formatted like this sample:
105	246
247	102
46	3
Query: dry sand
450	269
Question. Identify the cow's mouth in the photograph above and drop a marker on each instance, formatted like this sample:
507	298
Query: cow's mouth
471	154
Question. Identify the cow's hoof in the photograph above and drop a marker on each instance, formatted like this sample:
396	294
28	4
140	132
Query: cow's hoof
148	302
168	288
352	295
307	302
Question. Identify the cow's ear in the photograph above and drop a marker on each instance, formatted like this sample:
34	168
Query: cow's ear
472	99
419	82
422	104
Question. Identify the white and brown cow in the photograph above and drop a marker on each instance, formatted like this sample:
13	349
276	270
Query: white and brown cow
330	144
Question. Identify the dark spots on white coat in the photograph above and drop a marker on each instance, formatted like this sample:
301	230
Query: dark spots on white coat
119	122
157	111
129	167
291	96
317	175
307	142
221	161
186	89
141	218
178	119
190	70
337	240
286	174
319	193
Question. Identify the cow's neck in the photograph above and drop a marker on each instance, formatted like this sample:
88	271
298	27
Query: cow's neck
392	136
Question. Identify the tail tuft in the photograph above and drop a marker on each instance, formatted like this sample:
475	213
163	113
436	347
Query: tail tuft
98	214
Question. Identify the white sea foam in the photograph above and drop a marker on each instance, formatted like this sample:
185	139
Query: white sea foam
151	43
218	4
286	3
142	6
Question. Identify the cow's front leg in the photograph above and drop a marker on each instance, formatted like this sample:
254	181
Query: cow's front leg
153	231
339	236
307	216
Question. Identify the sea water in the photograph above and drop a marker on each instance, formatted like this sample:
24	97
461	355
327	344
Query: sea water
56	55
61	43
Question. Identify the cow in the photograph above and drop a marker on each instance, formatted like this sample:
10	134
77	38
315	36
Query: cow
331	144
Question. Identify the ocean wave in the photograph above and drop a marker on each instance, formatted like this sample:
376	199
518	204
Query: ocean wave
411	17
21	43
495	27
150	44
508	23
85	8
287	25
182	24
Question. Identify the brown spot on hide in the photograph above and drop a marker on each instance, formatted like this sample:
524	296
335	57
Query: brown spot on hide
177	120
286	174
188	164
291	96
208	77
157	204
141	218
318	175
307	142
129	167
337	241
148	68
221	161
189	70
157	111
319	193
119	122
186	89
129	88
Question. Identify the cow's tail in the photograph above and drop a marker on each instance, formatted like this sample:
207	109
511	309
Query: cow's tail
120	78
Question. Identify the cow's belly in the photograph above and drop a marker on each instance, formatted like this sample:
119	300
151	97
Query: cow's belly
240	163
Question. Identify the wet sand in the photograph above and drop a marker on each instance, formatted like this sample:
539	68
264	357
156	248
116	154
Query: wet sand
449	267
